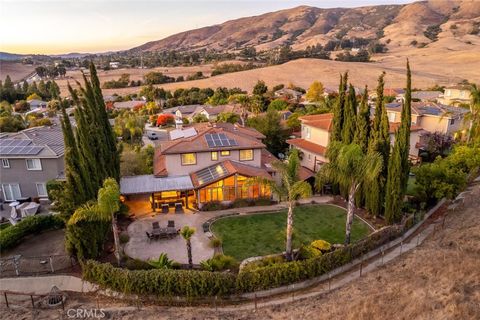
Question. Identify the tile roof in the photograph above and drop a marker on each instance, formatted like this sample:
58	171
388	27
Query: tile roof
231	168
266	159
393	127
159	164
198	143
321	121
50	137
128	104
429	108
305	173
308	146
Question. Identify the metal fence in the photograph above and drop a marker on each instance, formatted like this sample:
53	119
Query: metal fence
28	266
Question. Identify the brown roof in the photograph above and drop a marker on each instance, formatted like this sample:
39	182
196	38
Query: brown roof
308	146
198	143
159	165
305	173
393	127
321	121
232	167
267	159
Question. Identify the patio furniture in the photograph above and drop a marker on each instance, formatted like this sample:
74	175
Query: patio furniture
155	225
29	209
178	207
171	224
160	233
149	236
165	208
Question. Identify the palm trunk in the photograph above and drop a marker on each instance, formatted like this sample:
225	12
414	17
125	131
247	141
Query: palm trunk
350	213
288	250
189	252
116	240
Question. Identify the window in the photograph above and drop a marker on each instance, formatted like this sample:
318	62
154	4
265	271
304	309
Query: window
5	163
452	121
214	155
309	156
225	153
189	159
11	191
246	155
41	190
34	164
307	132
391	116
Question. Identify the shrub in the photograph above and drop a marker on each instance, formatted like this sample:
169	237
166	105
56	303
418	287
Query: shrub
219	262
215	243
212	206
321	245
11	236
160	282
124	238
239	203
432	32
136	264
163	262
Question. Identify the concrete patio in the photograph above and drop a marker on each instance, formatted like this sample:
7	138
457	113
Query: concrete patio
140	247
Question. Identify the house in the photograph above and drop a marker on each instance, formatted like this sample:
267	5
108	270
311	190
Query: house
432	117
388	92
200	164
211	112
456	95
416	134
288	94
187	112
34	104
128	105
30	158
114	64
313	143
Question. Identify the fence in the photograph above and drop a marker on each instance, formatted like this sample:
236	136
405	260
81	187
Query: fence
29	266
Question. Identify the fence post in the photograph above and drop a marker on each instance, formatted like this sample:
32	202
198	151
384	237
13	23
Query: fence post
16	260
51	264
401	247
329	281
33	303
216	307
361	266
255	299
6	300
383	253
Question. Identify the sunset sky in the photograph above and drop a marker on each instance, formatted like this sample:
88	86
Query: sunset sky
63	26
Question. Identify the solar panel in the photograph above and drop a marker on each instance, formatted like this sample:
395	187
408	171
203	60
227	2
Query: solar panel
18	147
211	174
219	140
15	142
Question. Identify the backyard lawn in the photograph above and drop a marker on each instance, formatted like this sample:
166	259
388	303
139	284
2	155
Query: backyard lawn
263	234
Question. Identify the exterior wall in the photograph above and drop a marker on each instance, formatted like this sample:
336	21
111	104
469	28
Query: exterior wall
454	95
317	136
204	159
27	179
443	125
414	139
309	159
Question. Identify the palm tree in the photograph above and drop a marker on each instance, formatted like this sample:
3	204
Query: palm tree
474	115
187	234
291	189
109	204
350	168
245	103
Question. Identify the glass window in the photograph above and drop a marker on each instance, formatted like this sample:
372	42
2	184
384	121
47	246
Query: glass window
34	164
307	129
214	155
5	163
452	121
11	191
189	159
225	153
41	190
246	155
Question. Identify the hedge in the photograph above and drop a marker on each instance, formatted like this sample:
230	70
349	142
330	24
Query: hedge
13	235
192	283
160	282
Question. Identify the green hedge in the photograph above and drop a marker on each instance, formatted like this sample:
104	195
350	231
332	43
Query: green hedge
161	282
191	283
13	235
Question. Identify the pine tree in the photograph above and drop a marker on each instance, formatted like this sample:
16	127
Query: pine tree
379	142
362	134
398	165
349	116
337	122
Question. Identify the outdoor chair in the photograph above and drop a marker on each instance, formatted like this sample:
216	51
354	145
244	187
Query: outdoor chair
171	224
178	207
149	236
165	208
155	225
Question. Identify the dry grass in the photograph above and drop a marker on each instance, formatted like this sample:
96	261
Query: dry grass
15	70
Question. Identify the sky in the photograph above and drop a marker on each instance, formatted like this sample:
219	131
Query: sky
64	26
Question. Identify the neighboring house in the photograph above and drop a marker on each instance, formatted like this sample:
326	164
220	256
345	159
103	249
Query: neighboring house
212	112
203	163
416	134
432	117
313	143
455	95
187	112
34	104
29	159
128	105
114	64
387	92
288	94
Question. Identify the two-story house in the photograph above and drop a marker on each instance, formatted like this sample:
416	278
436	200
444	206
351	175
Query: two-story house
210	163
456	95
29	159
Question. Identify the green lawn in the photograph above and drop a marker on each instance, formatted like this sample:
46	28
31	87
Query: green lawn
263	234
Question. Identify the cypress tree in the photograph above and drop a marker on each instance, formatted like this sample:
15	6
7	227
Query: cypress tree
349	116
379	142
398	165
338	110
362	134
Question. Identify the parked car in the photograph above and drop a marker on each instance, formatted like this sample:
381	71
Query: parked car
152	135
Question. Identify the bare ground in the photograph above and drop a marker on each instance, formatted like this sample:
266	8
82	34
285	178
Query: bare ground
15	70
438	280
